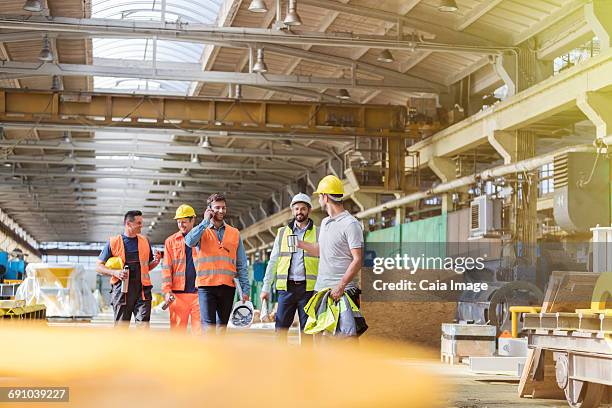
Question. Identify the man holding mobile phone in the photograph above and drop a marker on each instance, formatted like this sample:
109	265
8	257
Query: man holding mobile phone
220	258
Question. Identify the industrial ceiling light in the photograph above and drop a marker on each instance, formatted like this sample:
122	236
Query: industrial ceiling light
56	84
286	144
174	194
194	158
448	6
292	18
33	6
385	56
260	66
238	92
205	143
45	53
343	94
258	6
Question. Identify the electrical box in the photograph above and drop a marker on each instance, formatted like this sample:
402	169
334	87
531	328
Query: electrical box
485	216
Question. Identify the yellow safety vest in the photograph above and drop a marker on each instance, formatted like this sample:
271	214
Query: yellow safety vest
311	263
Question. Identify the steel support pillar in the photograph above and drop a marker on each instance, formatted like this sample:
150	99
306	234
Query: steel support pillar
446	170
596	107
598	14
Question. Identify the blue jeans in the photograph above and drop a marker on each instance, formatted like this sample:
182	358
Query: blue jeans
294	298
215	304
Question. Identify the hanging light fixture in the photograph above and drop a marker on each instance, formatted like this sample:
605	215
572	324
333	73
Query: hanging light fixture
45	53
238	91
67	138
260	66
385	56
194	158
343	94
33	6
56	84
258	6
205	143
292	18
286	144
448	6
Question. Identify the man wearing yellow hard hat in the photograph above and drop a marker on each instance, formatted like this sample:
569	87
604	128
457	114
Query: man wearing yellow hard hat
179	274
340	246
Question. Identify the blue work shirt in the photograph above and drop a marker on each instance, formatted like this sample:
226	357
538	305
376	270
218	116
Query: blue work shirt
192	239
132	259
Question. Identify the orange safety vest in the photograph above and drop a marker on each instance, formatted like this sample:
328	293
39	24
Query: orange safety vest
215	262
174	264
118	249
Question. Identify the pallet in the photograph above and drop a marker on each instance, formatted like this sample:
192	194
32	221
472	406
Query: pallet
566	292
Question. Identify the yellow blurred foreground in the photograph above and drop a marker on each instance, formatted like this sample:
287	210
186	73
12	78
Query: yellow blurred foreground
141	368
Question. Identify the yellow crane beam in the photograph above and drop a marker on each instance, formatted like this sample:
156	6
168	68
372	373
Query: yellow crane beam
106	110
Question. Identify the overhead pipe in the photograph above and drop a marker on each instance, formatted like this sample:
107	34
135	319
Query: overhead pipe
518	167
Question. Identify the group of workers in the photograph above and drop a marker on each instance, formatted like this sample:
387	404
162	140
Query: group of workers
202	264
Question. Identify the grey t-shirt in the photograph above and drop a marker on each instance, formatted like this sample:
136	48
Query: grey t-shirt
337	236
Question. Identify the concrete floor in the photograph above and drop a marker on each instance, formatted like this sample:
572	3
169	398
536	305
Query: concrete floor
468	390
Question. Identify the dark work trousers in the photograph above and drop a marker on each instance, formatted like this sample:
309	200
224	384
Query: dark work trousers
215	305
294	298
131	303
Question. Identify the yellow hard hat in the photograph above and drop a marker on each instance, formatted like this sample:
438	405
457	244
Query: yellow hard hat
184	211
330	185
114	263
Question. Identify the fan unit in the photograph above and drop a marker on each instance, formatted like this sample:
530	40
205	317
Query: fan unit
485	216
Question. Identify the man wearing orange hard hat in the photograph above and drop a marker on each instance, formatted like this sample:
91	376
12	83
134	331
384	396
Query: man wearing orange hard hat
179	274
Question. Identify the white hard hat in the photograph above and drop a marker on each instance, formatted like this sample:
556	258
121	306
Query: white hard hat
301	198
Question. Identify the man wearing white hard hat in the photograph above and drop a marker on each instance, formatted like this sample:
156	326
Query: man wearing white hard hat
294	270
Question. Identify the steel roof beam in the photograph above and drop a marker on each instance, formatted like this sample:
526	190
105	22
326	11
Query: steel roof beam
147	148
236	36
126	175
179	73
134	129
146	164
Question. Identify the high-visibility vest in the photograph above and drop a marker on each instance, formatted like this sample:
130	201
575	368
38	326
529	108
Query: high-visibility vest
118	249
311	263
175	263
215	262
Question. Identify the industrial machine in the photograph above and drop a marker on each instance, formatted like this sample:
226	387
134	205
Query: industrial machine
492	306
581	183
12	269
